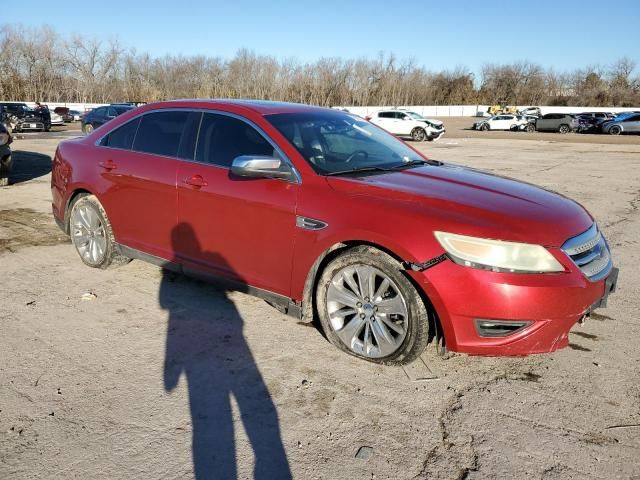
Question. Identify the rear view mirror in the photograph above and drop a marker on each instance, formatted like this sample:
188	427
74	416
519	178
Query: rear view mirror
260	166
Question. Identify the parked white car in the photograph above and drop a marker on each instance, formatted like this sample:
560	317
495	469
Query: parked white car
501	122
405	123
56	119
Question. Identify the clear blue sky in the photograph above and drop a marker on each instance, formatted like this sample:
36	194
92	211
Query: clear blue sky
562	34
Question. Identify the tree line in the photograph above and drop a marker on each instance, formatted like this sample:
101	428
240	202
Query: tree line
39	64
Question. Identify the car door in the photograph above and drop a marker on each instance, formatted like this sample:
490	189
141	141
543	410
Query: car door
404	124
97	117
138	160
544	122
631	124
498	123
240	228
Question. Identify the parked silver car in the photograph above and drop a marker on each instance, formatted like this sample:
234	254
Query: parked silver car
624	123
557	122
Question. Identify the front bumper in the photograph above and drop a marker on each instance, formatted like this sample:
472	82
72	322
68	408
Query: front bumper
435	134
549	304
30	125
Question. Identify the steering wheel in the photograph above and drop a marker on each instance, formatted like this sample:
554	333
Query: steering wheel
355	154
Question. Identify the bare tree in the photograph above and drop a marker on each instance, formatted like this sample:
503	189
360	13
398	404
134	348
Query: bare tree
39	64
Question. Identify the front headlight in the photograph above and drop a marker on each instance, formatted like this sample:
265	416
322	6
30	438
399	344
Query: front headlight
498	256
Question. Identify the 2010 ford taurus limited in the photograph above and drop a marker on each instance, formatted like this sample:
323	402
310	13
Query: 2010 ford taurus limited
328	216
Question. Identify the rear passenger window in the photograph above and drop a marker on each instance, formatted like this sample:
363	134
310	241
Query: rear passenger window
122	137
223	138
159	133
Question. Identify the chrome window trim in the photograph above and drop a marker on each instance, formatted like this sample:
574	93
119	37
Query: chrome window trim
297	178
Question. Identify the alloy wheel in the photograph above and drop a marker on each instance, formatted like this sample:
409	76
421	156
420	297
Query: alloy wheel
367	311
88	234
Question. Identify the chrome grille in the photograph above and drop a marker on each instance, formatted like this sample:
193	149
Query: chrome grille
590	252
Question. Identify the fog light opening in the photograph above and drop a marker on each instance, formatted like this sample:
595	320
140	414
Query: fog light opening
499	328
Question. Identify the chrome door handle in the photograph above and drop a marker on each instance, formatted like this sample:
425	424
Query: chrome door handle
108	165
195	181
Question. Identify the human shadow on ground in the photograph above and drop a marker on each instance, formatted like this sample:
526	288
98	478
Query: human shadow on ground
205	343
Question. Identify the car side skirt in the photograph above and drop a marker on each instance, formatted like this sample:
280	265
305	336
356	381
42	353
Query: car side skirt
281	303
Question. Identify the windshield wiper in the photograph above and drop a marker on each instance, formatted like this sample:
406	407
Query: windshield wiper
416	163
358	170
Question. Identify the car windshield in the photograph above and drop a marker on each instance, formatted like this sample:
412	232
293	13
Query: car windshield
415	115
341	143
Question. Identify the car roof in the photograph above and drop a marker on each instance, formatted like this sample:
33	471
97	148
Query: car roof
261	107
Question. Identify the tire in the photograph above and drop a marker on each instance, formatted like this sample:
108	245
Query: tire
564	129
615	130
403	329
418	134
5	169
530	128
87	129
92	235
484	127
4	176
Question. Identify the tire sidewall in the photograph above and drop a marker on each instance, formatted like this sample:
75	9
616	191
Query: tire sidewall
418	322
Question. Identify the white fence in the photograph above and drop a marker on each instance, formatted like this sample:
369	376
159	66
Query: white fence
472	110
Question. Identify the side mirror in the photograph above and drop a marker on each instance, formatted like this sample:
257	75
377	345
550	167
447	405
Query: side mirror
260	166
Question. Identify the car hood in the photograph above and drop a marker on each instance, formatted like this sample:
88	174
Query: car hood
437	123
471	202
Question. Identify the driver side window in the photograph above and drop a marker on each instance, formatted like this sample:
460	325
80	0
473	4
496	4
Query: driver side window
223	138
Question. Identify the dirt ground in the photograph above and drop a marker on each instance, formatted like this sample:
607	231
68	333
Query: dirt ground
131	374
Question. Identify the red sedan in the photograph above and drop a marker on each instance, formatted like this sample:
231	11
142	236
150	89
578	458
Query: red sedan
326	215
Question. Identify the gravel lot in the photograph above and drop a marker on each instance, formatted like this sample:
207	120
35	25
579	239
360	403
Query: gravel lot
114	374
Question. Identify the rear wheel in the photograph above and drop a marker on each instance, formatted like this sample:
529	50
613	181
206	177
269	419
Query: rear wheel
92	235
530	128
418	134
368	308
615	130
87	129
564	129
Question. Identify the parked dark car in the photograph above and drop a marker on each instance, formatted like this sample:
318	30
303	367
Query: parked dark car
5	151
101	115
557	122
328	216
65	113
590	122
21	117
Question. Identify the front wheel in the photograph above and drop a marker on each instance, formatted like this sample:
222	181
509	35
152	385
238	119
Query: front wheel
92	235
564	129
484	127
530	128
87	129
368	308
418	134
